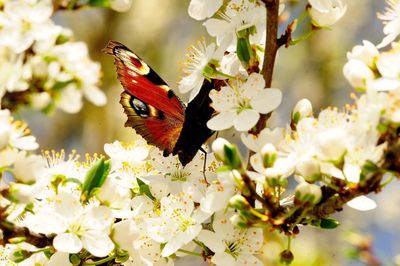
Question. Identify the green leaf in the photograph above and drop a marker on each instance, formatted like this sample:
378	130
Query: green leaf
144	189
96	175
329	223
243	49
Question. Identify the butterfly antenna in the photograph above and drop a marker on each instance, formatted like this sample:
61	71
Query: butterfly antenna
204	165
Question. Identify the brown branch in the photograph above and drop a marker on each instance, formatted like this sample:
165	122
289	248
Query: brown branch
271	47
11	232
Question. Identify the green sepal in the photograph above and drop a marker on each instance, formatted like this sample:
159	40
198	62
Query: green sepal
74	259
99	3
232	157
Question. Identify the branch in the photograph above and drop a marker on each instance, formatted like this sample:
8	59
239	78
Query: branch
271	47
10	231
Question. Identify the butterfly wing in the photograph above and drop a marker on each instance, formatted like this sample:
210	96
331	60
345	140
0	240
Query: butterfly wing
153	109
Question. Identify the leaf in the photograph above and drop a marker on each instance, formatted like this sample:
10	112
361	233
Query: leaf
144	189
96	175
329	223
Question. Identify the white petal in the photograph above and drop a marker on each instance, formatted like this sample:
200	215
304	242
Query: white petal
217	27
222	121
70	100
248	259
95	95
383	84
362	203
254	82
201	9
222	259
25	143
97	243
212	241
59	258
246	120
267	100
68	243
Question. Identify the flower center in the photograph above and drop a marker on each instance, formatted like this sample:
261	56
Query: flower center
76	228
243	104
179	175
232	249
26	26
185	223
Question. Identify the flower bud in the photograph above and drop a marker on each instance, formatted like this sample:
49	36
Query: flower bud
357	73
218	147
238	179
121	5
40	101
22	193
326	13
238	221
269	155
273	177
227	153
239	202
308	193
309	169
302	109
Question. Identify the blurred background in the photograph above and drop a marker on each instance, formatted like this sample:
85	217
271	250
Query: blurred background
160	31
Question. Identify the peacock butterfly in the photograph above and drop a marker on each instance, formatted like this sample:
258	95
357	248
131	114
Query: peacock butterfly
156	112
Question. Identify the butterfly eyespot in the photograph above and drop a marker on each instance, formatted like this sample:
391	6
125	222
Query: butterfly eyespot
140	107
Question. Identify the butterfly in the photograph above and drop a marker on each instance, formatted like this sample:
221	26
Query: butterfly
156	112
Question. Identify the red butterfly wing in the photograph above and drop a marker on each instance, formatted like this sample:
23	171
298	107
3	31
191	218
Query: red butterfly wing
153	109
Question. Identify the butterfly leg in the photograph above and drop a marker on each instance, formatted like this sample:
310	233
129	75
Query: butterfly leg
204	165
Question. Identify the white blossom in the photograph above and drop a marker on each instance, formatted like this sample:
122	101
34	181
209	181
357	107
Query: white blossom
15	134
225	29
75	226
240	105
178	223
232	246
391	20
198	59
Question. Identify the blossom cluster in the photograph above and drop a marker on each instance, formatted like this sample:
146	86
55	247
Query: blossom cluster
41	64
133	206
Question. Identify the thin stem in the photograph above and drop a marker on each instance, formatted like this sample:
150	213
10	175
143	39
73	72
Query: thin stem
289	242
190	252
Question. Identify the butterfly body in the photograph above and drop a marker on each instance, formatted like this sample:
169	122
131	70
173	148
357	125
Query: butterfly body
154	110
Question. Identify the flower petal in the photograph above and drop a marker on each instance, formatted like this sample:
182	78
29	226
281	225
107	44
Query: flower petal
362	203
222	121
212	241
97	243
267	100
246	120
68	243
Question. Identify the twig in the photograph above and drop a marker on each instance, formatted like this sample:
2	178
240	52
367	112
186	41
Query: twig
271	47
